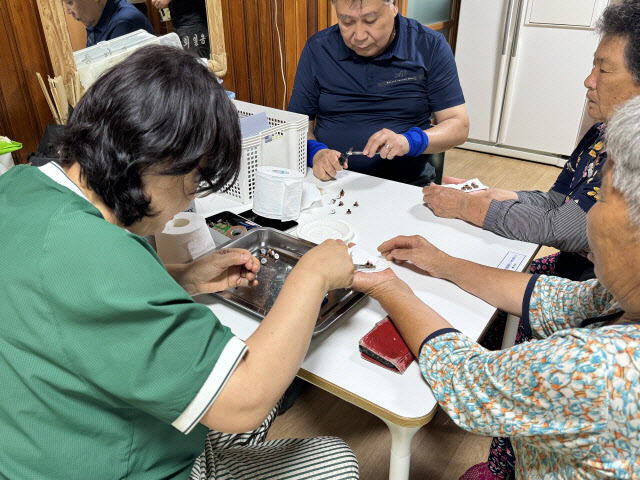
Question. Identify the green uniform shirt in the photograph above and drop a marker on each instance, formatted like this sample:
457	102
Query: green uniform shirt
101	351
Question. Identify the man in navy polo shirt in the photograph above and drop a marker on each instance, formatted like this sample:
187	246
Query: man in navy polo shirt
107	19
372	82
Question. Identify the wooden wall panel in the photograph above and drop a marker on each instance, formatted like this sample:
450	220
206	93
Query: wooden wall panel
24	113
229	78
322	11
237	50
267	44
255	48
282	94
253	52
290	47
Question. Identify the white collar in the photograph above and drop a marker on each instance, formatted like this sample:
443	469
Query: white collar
57	174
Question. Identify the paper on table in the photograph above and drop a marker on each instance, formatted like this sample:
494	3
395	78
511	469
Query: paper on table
361	256
310	195
512	261
472	185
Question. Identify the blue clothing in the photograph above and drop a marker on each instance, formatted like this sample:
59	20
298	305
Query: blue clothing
118	18
580	182
580	178
352	97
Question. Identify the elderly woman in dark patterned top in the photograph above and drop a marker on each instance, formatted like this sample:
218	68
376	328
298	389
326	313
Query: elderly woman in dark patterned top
568	399
557	218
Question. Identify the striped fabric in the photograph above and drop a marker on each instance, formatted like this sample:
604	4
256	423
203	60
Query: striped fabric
556	218
564	227
248	456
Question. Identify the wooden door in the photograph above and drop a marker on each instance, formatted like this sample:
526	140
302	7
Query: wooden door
24	113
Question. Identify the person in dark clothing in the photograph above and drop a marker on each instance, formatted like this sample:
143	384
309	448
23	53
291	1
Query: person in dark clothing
189	20
373	82
107	19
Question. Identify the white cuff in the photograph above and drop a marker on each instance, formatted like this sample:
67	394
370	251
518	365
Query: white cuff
229	359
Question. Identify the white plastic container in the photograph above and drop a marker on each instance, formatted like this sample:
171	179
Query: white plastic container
283	144
92	61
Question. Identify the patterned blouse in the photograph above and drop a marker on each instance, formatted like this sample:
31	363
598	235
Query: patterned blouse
569	400
580	180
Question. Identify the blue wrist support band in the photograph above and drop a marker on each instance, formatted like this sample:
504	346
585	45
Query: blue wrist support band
418	141
313	147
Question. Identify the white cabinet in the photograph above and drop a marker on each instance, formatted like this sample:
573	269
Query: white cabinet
522	64
577	13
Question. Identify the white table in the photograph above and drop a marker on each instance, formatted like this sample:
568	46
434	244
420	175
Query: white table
404	402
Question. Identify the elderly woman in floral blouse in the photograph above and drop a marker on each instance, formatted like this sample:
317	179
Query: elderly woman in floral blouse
568	399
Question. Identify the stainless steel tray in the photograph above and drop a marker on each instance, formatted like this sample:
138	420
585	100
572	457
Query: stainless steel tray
259	300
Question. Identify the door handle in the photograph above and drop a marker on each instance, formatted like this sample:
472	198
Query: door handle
514	47
507	24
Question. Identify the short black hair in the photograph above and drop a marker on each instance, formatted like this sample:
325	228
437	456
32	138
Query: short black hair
160	107
623	20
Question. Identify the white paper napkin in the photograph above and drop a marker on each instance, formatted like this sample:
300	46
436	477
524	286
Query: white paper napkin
472	185
361	256
310	195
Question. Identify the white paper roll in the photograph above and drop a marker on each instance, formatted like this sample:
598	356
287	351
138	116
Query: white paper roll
6	162
278	193
185	238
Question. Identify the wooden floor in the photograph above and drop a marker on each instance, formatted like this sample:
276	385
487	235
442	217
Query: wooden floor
441	450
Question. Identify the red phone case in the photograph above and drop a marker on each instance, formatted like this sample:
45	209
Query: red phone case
384	346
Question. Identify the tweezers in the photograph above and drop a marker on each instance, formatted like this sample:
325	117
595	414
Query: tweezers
349	153
344	156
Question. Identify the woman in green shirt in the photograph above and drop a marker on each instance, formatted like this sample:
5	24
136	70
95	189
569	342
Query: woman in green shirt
106	363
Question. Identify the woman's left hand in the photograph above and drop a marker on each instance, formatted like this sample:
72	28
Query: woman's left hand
218	271
387	143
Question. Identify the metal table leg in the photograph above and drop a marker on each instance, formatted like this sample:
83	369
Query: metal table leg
401	439
510	331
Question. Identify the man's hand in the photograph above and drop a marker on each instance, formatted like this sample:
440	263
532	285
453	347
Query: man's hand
217	271
326	165
417	250
389	144
160	3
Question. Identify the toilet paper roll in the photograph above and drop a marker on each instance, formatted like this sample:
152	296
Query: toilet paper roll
6	162
278	193
185	238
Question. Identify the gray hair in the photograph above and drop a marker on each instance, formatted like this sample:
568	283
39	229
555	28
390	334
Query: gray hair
623	20
623	145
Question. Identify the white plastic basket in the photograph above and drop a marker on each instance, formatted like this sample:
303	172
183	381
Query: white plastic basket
283	144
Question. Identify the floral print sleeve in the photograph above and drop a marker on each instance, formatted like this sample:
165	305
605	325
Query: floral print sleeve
552	304
568	400
537	389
